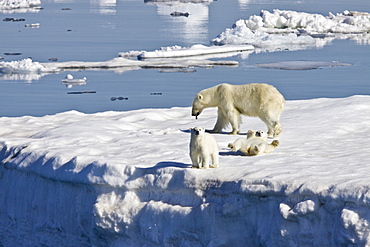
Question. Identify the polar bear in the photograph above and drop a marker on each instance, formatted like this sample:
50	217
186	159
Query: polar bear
203	148
255	100
254	144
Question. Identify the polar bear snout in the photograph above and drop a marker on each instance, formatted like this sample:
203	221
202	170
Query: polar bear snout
197	131
195	113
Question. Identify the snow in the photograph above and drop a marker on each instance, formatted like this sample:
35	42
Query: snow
291	30
125	179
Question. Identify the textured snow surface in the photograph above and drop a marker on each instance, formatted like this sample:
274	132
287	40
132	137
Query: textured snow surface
124	179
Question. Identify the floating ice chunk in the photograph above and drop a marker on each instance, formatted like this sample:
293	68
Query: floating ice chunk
16	4
178	1
300	65
195	50
272	28
130	53
24	66
33	25
69	81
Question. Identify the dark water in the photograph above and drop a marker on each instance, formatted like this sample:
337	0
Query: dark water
98	30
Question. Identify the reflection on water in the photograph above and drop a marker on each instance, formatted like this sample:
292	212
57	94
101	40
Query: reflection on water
28	78
104	7
243	4
192	28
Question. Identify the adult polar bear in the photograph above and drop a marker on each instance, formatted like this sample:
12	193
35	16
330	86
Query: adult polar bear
254	100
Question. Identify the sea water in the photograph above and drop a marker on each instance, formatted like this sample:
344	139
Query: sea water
98	30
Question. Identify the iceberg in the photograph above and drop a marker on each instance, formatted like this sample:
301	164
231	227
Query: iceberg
125	179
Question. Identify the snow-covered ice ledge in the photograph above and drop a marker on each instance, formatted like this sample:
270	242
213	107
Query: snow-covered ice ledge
124	179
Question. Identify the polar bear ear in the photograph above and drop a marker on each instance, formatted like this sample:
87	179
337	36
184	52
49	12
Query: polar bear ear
200	97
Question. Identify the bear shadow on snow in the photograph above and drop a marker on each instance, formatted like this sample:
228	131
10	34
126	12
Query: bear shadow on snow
232	153
165	164
210	131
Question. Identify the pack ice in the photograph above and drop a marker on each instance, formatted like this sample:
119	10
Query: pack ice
125	179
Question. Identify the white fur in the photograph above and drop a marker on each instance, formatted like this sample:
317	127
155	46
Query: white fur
254	144
203	149
255	100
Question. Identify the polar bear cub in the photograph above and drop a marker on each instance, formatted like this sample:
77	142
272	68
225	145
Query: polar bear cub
254	144
203	149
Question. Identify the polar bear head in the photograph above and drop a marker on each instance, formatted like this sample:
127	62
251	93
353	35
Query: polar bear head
198	105
261	134
198	131
201	101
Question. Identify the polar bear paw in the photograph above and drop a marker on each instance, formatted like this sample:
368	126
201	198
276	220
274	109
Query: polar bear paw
232	147
275	143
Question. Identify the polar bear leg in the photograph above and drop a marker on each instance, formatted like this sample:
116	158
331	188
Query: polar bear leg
205	158
195	159
277	129
273	124
258	149
271	147
246	149
214	158
234	118
222	122
232	147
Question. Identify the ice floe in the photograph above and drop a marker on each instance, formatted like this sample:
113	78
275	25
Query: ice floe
24	66
19	6
195	50
284	29
69	179
170	57
70	81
